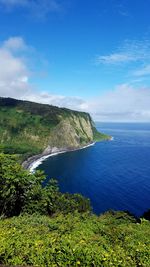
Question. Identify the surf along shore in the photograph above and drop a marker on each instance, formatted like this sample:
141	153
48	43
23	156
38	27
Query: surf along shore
33	162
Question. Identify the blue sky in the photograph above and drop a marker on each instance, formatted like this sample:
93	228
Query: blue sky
87	55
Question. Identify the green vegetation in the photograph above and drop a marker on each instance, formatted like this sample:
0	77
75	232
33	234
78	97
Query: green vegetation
22	192
49	228
39	225
113	239
28	128
100	136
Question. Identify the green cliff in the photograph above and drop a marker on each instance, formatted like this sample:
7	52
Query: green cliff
29	128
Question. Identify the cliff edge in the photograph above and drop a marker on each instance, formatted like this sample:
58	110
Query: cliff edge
29	128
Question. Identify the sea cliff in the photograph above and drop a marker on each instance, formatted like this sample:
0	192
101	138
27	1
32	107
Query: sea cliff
30	129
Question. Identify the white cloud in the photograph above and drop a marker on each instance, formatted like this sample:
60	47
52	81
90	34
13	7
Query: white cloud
57	100
125	103
13	71
115	58
11	68
14	78
37	8
142	72
15	44
131	51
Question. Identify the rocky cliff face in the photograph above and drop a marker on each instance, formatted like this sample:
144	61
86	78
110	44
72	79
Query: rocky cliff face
72	132
29	128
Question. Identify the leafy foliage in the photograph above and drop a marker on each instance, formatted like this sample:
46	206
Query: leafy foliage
14	183
113	239
22	191
100	136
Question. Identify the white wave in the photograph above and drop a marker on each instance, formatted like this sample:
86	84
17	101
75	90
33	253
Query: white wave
39	161
92	144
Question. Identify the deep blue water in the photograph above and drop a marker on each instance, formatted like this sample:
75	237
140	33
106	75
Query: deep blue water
113	174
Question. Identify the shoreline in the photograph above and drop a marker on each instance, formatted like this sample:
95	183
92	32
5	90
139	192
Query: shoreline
33	162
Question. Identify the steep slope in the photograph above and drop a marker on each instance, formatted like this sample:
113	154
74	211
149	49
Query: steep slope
29	128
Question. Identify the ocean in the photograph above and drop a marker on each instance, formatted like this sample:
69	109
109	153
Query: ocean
113	174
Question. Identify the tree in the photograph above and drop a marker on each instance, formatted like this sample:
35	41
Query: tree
15	184
22	192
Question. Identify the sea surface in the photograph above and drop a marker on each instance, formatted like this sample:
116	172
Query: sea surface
113	174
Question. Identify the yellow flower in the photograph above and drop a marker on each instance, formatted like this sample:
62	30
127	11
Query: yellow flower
82	241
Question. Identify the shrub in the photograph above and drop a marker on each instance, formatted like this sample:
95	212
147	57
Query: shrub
22	192
73	240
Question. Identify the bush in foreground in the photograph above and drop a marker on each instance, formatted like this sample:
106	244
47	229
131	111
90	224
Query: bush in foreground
113	239
22	192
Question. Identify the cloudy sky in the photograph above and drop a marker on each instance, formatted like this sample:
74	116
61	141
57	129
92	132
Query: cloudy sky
86	55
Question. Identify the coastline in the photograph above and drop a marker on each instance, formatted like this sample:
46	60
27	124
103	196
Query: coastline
33	162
